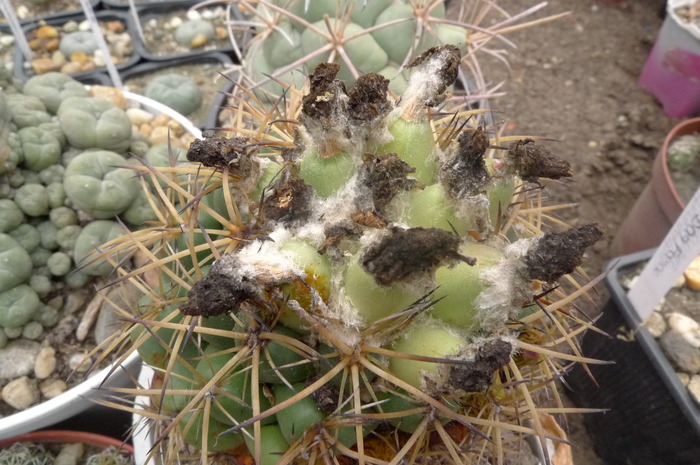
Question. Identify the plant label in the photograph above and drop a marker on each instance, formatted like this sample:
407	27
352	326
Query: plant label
678	249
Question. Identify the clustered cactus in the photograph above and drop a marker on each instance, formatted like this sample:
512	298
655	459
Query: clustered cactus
291	37
348	279
64	175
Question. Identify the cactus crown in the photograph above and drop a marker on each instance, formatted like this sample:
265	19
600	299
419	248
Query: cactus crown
351	279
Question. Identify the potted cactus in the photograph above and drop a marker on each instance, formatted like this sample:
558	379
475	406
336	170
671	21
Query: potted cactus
339	280
64	175
64	446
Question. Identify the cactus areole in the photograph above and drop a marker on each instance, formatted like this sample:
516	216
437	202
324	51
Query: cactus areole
370	279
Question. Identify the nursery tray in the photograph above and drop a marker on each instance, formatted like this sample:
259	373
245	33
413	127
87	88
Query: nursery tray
147	68
124	5
651	419
160	9
48	17
81	76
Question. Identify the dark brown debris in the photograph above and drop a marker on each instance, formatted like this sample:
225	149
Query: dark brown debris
218	152
531	162
288	200
556	254
369	219
368	98
221	291
477	376
403	254
466	172
336	233
385	176
322	99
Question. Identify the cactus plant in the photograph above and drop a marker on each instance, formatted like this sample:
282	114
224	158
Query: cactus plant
178	92
313	324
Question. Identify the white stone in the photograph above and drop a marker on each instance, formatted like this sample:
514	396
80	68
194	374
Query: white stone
175	22
20	393
656	324
70	454
22	12
686	326
45	363
70	26
7	40
139	116
152	22
208	13
193	15
84	25
79	362
683	377
51	388
17	358
98	58
694	388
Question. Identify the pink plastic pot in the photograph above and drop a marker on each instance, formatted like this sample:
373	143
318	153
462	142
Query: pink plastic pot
672	71
658	206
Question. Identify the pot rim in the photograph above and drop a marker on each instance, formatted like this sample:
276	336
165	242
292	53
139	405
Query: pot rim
69	436
688	126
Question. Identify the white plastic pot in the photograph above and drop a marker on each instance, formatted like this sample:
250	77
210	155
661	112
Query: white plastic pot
83	396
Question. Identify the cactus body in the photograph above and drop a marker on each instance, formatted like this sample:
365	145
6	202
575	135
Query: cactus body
336	325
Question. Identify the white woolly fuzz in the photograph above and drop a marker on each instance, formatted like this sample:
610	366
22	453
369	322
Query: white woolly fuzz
507	287
265	256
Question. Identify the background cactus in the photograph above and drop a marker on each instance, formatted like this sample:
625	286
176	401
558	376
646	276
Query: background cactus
292	36
291	309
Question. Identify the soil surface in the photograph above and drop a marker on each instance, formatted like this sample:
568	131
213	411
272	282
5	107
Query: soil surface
574	80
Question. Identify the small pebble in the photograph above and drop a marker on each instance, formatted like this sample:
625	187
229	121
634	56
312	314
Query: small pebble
46	32
79	362
683	377
70	26
45	363
17	358
111	94
84	25
692	275
198	40
680	353
70	454
656	324
193	15
694	388
175	22
139	116
51	388
20	393
686	327
7	40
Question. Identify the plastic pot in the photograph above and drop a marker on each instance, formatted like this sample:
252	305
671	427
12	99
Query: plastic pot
657	207
48	17
124	4
22	74
651	419
672	70
166	10
136	78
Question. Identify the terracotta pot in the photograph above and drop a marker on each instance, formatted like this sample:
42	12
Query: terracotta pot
658	206
67	436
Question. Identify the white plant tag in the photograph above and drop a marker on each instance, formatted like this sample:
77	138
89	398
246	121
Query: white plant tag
680	246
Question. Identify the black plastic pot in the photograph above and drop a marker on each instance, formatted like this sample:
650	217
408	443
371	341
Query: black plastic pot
218	104
652	419
49	17
165	9
124	5
21	73
218	61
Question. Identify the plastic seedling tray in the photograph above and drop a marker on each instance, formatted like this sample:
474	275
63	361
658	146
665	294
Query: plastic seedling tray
651	419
